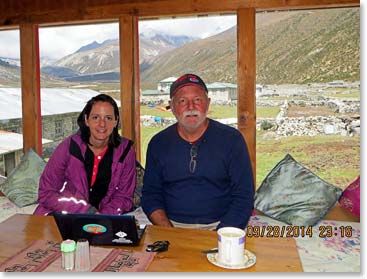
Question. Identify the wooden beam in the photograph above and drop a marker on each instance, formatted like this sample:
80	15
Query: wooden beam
246	80
30	80
129	77
136	89
15	12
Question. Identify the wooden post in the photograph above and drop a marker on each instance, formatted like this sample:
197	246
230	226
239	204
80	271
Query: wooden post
129	77
246	80
30	80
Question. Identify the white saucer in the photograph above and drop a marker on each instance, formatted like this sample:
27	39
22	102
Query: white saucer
250	260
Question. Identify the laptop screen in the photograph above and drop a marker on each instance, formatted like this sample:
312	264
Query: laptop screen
99	229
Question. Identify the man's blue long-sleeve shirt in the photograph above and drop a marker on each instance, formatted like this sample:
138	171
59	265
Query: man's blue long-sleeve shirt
221	187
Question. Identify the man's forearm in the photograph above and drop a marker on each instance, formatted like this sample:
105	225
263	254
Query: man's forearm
159	218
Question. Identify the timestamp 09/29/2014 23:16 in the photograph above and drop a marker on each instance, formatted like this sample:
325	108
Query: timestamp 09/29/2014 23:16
299	231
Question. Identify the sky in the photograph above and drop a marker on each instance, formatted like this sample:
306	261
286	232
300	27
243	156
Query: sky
57	42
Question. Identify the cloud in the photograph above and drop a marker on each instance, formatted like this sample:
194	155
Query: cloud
193	26
9	44
57	42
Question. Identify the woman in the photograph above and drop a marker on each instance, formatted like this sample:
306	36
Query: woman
92	171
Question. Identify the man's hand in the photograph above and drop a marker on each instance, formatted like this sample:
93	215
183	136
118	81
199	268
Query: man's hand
159	218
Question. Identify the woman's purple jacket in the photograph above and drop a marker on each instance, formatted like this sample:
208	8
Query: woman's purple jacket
63	185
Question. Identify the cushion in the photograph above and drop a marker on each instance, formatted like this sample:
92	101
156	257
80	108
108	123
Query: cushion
21	187
8	209
350	198
293	194
2	179
139	185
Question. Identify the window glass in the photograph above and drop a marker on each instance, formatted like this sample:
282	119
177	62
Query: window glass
11	138
308	92
169	48
77	63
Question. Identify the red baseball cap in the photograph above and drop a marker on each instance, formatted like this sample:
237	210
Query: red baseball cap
186	79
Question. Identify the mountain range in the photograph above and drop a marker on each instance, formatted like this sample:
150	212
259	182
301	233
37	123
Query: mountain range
291	47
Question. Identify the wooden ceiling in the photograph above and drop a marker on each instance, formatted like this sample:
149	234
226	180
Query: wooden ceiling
50	12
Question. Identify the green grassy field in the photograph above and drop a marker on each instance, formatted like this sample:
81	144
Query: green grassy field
336	159
344	95
335	92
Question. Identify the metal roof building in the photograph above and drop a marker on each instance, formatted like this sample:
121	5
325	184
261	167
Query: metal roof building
12	141
53	101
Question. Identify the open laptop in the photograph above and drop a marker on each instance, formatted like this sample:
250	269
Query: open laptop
100	229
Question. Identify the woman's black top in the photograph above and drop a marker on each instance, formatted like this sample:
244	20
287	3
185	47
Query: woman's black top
98	190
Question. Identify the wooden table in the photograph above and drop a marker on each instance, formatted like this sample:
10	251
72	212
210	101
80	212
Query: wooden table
273	254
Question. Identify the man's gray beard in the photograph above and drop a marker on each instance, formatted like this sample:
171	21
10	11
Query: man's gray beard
192	127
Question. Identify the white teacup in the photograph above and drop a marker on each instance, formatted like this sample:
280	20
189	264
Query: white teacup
231	246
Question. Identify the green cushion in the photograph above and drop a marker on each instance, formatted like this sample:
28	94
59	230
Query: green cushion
293	194
21	187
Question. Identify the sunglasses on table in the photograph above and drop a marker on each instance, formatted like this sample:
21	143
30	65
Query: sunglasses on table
158	246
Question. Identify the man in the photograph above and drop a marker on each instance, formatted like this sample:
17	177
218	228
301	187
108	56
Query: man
198	172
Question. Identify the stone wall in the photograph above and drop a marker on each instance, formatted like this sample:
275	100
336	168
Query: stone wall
315	125
310	126
11	125
49	126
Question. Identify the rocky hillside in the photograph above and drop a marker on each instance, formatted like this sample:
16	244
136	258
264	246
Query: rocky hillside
101	58
292	47
310	46
9	74
89	60
213	58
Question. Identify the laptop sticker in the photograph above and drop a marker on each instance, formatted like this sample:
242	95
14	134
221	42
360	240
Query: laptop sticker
94	228
121	238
